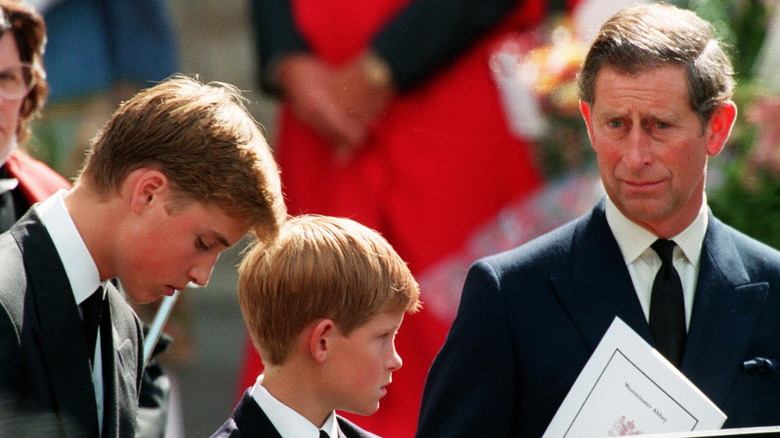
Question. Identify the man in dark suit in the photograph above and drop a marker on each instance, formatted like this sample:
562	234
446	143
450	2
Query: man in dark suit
655	94
179	173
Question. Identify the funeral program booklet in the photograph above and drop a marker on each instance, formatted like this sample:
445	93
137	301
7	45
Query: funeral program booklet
629	388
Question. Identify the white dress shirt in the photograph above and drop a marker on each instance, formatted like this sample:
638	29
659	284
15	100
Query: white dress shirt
643	263
81	271
289	423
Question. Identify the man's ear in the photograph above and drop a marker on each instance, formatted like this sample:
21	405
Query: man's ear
146	187
720	124
320	339
586	112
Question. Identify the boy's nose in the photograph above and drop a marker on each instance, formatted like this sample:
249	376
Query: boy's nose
200	274
395	362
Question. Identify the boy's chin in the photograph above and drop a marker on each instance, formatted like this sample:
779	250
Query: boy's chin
365	410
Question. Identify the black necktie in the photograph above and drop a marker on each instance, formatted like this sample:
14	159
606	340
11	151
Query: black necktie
91	309
667	307
324	434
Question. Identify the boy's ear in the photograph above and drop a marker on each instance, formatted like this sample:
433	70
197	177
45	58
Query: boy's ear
320	339
146	186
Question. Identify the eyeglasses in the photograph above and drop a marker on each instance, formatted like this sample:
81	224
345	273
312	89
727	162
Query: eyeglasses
16	81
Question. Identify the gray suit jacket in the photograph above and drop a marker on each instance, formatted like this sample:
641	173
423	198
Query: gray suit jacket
530	318
45	377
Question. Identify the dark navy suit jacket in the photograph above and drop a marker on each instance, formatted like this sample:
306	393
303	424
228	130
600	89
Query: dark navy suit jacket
249	421
530	318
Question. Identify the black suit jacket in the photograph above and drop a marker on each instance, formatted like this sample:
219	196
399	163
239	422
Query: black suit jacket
45	374
530	318
249	421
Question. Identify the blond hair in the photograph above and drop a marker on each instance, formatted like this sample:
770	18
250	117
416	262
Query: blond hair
320	267
203	139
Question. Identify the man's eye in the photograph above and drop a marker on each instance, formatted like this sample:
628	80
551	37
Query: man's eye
615	124
200	244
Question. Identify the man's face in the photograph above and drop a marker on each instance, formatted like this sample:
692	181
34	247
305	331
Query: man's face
361	365
165	250
9	108
650	146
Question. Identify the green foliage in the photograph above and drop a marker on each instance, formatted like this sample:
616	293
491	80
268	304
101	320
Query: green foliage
753	210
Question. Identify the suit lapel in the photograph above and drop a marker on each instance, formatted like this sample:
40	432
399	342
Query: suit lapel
251	421
119	363
110	375
599	286
725	310
59	333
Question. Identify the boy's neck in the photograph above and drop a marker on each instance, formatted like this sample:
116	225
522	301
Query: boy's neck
288	385
96	222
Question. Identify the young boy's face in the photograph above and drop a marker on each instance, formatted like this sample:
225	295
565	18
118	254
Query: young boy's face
164	251
362	363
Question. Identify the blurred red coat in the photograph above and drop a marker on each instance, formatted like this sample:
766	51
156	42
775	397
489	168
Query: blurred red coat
37	181
440	162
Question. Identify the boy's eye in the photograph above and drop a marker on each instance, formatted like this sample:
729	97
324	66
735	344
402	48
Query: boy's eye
201	245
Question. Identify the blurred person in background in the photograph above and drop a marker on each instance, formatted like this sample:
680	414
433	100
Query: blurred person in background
391	117
99	53
23	90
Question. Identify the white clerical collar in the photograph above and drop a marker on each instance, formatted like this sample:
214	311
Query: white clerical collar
633	240
79	266
288	422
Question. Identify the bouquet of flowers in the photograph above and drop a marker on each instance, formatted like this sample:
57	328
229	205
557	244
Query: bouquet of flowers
539	89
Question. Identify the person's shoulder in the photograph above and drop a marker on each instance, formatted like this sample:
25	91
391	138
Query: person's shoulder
352	430
747	245
12	276
37	180
13	279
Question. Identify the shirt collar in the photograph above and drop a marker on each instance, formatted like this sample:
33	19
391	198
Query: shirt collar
634	240
79	266
7	183
287	421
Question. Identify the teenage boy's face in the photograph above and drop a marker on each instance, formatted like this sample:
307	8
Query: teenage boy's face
166	250
362	364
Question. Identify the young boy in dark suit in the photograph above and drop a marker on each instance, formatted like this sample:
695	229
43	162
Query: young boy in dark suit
179	173
323	306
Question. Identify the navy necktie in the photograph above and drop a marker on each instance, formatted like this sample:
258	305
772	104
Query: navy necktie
667	307
91	309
